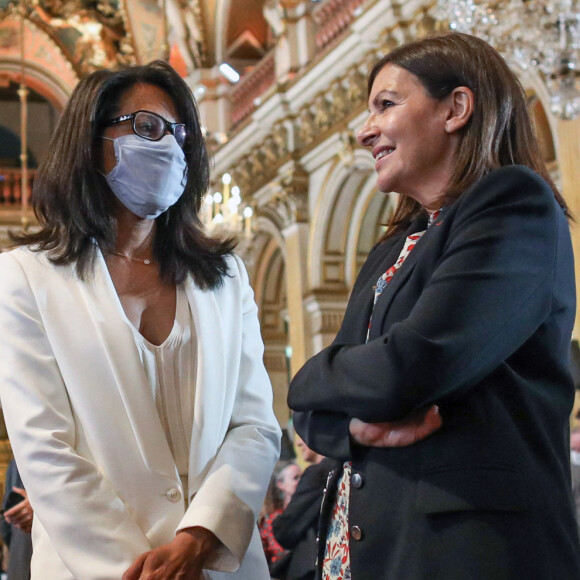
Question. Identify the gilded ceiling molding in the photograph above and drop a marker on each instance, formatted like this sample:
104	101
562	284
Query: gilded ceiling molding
292	137
47	67
148	38
186	29
262	163
289	195
197	9
91	35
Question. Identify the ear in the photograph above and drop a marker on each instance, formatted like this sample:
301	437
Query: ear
460	109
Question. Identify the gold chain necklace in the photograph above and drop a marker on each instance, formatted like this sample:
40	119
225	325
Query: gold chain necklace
146	262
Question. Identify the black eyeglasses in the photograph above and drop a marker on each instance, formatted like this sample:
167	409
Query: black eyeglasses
152	126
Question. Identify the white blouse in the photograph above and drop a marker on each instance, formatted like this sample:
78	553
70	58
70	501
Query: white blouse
171	373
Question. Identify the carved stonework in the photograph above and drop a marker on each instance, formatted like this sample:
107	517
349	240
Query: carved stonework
280	141
326	312
329	110
289	199
306	126
261	164
275	362
347	147
423	25
322	115
339	105
356	86
243	173
91	33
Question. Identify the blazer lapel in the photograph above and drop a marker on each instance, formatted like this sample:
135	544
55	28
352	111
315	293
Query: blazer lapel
398	280
357	315
209	427
119	352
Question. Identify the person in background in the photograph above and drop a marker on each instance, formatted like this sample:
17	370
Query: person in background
458	327
280	491
295	529
132	382
16	526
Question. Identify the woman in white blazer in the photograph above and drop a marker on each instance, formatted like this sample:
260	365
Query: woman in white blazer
132	382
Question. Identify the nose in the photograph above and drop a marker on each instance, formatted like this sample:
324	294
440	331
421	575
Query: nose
367	134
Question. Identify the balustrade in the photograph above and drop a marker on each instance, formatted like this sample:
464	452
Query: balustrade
252	86
11	186
332	17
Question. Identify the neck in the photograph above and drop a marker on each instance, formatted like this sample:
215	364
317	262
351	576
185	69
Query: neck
134	235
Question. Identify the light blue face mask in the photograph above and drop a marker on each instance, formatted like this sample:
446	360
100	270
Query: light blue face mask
150	176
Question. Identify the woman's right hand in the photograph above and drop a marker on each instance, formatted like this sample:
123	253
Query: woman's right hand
183	557
407	431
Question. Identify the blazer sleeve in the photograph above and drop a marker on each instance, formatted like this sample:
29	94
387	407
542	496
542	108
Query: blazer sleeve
232	493
491	289
91	527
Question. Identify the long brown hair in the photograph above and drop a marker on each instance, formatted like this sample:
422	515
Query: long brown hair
499	132
74	204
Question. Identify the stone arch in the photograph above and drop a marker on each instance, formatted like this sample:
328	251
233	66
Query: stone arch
46	68
269	283
10	148
371	212
545	124
348	217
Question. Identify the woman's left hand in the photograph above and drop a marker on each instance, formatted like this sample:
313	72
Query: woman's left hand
183	557
407	431
21	514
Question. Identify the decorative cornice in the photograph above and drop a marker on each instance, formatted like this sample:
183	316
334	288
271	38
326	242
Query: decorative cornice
289	196
327	112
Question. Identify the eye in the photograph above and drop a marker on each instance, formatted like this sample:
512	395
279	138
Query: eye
146	127
385	104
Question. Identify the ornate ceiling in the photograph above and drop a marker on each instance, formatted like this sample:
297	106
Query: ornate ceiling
67	39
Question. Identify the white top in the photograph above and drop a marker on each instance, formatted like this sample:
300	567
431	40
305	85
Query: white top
171	371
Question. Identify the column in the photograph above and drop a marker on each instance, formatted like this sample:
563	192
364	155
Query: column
290	201
296	45
569	159
325	310
296	238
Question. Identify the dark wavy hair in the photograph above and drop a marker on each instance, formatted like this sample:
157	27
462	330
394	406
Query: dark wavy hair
500	131
75	207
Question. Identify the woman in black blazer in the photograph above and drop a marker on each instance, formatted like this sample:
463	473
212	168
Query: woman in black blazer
462	313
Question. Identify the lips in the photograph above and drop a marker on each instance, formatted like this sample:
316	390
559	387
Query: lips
380	153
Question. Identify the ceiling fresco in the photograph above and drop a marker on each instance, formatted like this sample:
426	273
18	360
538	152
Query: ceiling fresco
94	34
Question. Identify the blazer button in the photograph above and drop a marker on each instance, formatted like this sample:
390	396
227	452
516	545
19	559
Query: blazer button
357	480
356	533
173	495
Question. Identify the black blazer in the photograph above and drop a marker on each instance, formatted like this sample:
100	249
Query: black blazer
296	527
477	320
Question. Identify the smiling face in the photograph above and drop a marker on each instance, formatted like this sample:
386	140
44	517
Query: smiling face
140	97
409	135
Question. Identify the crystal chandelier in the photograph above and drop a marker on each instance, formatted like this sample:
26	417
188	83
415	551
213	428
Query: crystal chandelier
221	210
542	34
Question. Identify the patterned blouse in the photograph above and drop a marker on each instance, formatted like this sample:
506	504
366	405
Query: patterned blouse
272	548
336	562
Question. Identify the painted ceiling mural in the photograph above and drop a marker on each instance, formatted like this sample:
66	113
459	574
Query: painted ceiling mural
65	40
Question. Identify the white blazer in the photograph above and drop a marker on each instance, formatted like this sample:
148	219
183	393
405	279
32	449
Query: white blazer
87	437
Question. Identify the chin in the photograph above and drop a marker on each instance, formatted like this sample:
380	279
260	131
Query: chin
385	186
